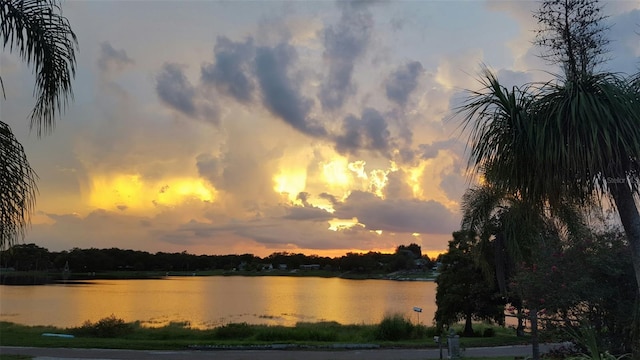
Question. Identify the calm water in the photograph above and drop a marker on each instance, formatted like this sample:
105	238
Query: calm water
216	300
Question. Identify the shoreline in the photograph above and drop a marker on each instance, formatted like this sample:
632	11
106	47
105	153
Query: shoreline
26	278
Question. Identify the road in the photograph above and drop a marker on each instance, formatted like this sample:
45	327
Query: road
369	354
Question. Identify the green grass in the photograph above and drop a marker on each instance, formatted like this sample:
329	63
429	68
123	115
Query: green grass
113	333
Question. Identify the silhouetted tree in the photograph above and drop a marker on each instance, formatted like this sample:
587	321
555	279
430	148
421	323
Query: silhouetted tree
463	293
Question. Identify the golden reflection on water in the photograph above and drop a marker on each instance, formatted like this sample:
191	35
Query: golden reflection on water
205	302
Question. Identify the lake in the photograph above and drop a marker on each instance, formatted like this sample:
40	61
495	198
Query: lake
210	301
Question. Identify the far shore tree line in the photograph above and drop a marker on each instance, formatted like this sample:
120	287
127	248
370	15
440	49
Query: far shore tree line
30	257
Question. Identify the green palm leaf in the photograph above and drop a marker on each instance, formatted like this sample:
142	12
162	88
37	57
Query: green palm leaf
17	188
43	38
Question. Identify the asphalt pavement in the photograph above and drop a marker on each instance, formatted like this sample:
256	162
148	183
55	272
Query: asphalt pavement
369	354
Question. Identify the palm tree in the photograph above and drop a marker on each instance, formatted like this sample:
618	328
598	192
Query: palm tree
43	38
575	137
17	187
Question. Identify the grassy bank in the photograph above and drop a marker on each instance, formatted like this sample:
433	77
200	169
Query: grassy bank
113	333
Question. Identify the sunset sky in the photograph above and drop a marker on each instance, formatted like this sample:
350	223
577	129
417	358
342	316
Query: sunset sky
321	127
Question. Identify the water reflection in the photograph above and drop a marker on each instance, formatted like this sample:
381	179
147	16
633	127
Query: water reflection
213	301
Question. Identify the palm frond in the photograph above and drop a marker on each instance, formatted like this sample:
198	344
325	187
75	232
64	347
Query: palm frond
553	141
17	189
43	39
591	131
498	123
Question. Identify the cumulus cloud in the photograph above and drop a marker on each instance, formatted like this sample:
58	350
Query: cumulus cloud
303	197
272	233
331	198
231	72
454	184
175	90
112	60
307	213
344	43
243	173
397	186
402	82
281	93
430	151
369	132
398	215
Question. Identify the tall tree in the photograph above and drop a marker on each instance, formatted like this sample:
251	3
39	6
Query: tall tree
42	37
463	293
572	34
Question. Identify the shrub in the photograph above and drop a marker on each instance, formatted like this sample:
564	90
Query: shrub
394	327
488	332
108	327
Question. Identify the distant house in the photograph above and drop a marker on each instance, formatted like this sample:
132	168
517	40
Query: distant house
282	266
310	267
421	263
437	266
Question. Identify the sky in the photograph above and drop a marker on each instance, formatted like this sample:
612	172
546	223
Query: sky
230	127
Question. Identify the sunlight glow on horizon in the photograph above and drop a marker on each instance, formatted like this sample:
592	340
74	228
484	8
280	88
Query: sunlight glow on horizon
132	192
336	224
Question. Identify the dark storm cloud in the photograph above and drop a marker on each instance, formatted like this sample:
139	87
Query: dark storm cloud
402	82
369	132
175	90
111	59
231	71
430	151
281	95
209	167
344	43
406	155
307	213
303	197
331	198
398	215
